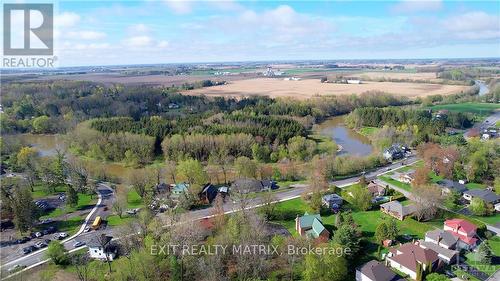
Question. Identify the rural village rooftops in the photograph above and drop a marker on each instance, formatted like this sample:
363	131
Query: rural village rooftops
378	271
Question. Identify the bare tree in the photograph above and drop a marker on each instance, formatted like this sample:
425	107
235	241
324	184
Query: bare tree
120	203
81	263
427	200
171	170
142	181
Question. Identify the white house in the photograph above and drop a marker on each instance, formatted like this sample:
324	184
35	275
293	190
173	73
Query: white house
100	247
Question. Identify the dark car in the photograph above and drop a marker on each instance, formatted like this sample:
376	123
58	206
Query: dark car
26	239
27	250
51	230
33	235
47	241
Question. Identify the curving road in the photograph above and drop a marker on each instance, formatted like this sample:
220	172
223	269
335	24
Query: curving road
105	201
106	194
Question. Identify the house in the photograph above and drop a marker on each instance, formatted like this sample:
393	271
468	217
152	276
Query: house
376	271
253	185
162	188
441	238
449	186
409	258
376	189
464	231
407	177
208	193
101	247
394	152
311	226
179	188
397	210
486	195
446	255
332	200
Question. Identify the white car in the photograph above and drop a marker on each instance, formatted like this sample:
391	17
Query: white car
86	229
63	234
40	245
78	244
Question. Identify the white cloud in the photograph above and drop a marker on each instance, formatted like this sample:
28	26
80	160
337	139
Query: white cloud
179	6
86	35
66	19
413	6
139	28
163	44
139	41
473	21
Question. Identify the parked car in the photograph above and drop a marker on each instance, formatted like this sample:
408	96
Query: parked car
51	229
47	241
27	250
78	244
45	221
16	267
86	229
40	245
60	236
38	234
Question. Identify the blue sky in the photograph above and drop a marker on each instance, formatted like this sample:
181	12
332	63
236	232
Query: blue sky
131	32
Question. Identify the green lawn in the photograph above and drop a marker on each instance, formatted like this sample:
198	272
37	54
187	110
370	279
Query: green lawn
481	109
115	220
134	200
494	219
494	243
399	184
325	144
486	268
39	191
368	131
85	201
473	185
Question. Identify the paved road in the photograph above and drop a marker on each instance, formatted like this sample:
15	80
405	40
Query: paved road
229	207
107	199
488	122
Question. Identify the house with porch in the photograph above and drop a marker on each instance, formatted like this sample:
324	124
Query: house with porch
397	210
412	259
311	226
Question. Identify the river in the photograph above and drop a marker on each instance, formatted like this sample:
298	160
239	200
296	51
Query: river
483	88
351	141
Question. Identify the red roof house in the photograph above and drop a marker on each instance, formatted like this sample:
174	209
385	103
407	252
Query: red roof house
464	230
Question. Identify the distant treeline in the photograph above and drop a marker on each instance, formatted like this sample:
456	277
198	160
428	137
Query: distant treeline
57	106
424	119
268	128
134	149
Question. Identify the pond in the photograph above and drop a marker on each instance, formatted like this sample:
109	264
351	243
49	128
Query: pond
47	145
352	142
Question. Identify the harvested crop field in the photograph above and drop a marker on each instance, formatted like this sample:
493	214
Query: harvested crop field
430	76
308	88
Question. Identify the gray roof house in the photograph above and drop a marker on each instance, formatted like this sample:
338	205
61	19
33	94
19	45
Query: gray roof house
449	186
441	238
330	200
252	185
397	210
393	152
487	195
376	271
446	255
